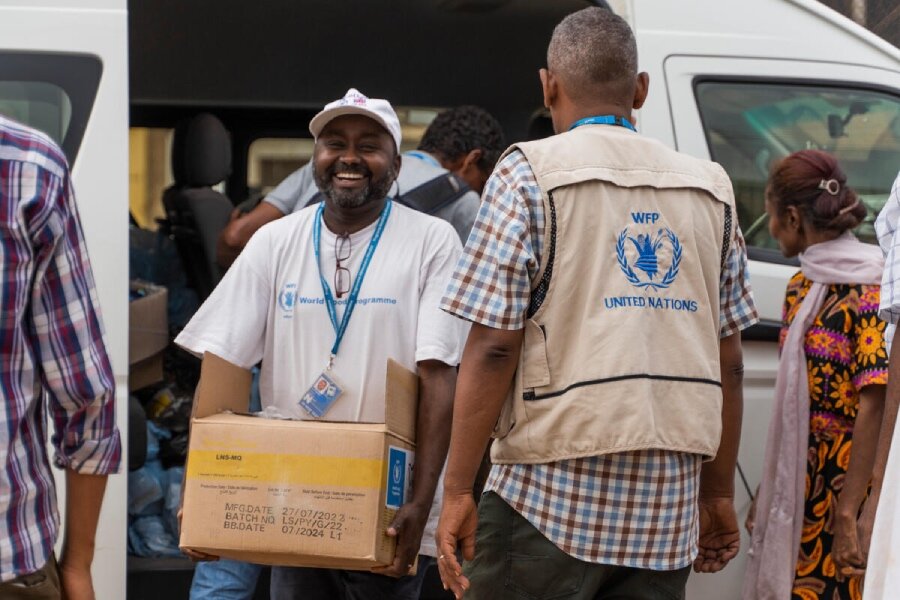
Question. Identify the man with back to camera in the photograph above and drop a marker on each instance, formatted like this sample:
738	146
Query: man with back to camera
598	255
359	255
465	141
54	360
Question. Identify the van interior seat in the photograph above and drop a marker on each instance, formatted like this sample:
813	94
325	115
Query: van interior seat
195	212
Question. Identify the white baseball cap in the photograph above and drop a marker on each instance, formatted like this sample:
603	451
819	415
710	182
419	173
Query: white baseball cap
355	103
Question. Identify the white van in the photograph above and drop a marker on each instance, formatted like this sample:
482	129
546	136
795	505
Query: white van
738	82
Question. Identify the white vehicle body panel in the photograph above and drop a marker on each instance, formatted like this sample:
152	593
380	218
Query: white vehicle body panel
96	27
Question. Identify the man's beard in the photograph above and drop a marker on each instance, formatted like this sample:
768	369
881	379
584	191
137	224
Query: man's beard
344	198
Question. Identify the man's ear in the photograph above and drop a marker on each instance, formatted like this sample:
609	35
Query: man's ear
641	89
398	161
470	160
549	87
465	166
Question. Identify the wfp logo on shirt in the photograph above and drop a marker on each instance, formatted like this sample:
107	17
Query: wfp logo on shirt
287	299
648	241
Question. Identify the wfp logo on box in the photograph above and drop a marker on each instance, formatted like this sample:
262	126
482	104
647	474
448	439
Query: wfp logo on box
399	476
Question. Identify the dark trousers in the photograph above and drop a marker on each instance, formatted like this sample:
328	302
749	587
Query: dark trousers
514	561
40	585
295	583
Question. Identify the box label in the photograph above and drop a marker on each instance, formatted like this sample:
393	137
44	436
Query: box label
399	476
333	471
281	519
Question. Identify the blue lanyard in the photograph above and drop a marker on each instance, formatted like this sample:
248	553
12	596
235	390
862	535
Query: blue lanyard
424	157
604	120
340	329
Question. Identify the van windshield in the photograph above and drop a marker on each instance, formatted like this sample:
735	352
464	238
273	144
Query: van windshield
751	125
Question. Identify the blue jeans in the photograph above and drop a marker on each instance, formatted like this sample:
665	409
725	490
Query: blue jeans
290	583
224	579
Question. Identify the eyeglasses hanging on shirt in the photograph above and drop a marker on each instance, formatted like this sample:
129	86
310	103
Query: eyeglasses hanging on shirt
325	390
342	249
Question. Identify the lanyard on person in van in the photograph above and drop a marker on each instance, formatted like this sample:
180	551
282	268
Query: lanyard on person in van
604	120
341	328
424	157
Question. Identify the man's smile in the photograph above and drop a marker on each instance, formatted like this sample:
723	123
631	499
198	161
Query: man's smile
349	180
349	176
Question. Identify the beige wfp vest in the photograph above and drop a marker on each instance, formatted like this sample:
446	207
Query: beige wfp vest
622	351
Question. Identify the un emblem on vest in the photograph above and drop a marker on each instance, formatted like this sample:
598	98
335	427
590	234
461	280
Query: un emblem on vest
645	270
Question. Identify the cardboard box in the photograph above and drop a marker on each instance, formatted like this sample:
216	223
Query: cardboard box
148	335
295	493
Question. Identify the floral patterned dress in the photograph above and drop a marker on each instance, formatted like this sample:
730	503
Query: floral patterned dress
845	352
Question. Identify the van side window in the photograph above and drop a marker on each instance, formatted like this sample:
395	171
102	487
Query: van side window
50	92
44	106
150	173
750	125
271	160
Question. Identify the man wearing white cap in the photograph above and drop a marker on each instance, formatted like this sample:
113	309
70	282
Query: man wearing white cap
335	290
443	177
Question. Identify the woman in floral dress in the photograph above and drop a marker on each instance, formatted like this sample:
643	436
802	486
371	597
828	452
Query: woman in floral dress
829	393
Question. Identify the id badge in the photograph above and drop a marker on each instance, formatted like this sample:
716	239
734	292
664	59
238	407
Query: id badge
321	395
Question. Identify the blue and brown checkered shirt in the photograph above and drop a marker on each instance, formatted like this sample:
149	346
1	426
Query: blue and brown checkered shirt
633	509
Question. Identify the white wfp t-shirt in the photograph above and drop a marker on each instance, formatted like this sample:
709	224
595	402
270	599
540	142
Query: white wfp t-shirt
269	307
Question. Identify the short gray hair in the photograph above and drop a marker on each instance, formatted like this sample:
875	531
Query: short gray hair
591	48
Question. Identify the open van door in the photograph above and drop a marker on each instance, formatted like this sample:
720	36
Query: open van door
70	80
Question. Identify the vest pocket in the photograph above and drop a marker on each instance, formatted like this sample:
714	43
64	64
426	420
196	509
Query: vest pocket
535	368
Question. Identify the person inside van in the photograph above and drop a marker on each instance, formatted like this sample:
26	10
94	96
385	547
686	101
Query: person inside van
830	390
465	141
